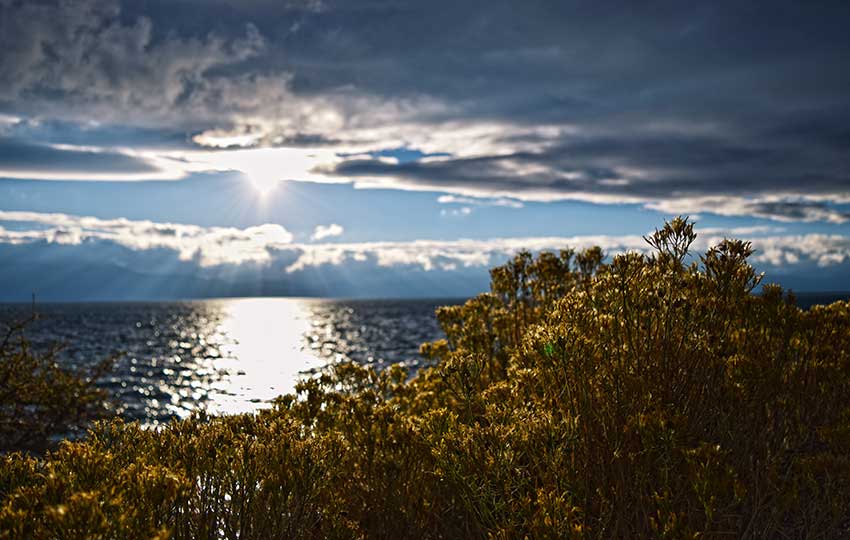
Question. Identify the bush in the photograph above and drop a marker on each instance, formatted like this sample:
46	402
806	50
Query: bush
42	402
647	397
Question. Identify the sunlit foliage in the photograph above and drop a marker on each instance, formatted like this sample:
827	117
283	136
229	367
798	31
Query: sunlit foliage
648	397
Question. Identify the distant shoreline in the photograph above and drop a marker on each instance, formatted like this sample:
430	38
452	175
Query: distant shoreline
805	299
450	299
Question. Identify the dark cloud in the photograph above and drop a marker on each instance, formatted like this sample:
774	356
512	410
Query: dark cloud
646	101
16	155
72	59
800	211
629	165
50	131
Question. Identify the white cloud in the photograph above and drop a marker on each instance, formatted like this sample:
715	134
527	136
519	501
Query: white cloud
822	249
271	244
208	245
327	231
450	254
771	251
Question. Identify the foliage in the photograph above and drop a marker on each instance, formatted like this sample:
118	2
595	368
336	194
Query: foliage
646	397
40	400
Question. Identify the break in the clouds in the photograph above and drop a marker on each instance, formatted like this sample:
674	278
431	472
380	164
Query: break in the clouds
120	258
733	108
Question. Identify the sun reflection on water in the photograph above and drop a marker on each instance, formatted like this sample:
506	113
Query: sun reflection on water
264	354
225	355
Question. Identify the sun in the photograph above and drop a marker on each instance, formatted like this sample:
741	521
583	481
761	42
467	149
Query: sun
264	185
267	168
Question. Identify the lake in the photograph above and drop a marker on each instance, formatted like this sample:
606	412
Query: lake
228	355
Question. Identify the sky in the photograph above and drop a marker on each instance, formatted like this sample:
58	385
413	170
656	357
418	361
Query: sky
157	149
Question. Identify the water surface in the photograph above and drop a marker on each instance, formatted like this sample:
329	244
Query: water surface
226	356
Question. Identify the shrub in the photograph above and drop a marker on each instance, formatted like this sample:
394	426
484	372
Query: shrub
40	400
651	396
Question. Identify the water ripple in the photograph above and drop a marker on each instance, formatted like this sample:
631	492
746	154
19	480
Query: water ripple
226	355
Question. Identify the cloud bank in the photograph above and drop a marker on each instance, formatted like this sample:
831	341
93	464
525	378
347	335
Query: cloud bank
204	246
177	260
